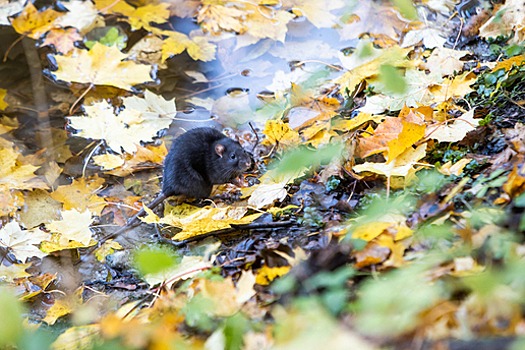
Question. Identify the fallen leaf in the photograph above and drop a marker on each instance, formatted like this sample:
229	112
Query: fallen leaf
13	272
266	274
22	243
74	226
32	23
81	195
455	131
102	65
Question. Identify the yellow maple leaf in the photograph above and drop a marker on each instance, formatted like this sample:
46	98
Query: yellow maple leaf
198	47
215	17
140	121
266	274
516	61
74	226
63	306
399	166
207	219
280	133
3	103
15	174
142	16
34	24
455	87
81	195
394	56
356	122
102	65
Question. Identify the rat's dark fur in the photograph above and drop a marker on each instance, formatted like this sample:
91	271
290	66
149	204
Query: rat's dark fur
197	160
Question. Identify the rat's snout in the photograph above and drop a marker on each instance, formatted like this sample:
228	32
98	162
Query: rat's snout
246	162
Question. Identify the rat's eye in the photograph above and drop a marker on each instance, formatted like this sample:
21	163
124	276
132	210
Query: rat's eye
233	156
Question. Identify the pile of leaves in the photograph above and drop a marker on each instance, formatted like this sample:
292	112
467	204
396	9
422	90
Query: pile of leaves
386	203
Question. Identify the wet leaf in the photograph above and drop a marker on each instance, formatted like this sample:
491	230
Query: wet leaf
102	65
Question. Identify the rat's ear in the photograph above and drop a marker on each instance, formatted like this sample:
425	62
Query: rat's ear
219	149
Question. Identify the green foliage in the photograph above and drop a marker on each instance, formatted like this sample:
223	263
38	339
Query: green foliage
197	313
305	158
391	305
234	329
108	36
311	217
406	8
11	329
392	78
150	260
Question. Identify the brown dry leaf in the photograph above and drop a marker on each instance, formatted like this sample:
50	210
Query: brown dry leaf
373	254
81	195
62	39
102	65
34	24
22	243
148	50
515	184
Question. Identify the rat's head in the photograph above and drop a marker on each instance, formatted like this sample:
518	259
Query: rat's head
230	161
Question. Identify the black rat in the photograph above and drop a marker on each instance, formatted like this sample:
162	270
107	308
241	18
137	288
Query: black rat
197	160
